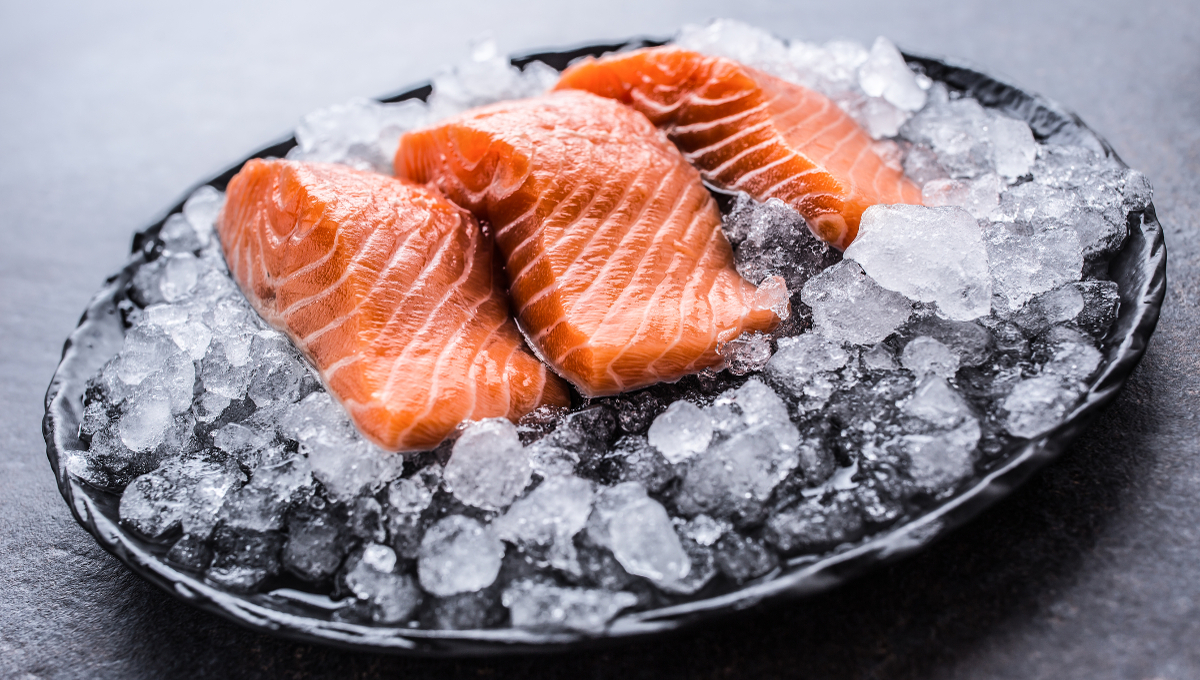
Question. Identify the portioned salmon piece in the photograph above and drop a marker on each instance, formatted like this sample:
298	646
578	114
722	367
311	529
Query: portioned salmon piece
391	292
617	266
750	131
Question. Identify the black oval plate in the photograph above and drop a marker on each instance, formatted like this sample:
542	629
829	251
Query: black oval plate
1139	270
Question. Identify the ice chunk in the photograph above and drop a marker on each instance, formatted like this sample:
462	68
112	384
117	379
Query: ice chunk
742	559
979	196
848	306
639	533
925	355
190	553
548	518
815	524
1049	309
879	358
243	560
580	437
1013	147
391	597
458	555
361	133
146	424
341	459
315	544
704	530
201	210
178	235
637	461
681	432
921	165
485	78
939	461
179	275
927	254
886	74
1137	192
262	505
968	340
543	606
408	499
488	467
804	366
937	404
281	373
957	130
741	42
747	352
702	568
1036	406
773	239
1067	354
1026	261
183	493
365	519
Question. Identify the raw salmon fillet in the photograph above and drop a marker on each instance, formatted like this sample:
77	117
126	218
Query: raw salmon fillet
750	131
390	291
617	265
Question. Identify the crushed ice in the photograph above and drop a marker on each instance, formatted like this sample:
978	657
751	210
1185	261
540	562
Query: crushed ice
949	332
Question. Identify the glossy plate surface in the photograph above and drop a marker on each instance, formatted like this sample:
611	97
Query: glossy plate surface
1139	270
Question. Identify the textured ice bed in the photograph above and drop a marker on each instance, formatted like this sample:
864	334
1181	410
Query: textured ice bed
945	336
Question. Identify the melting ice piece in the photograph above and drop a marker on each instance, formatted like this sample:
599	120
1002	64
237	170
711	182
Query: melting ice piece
1036	406
1013	146
1072	356
488	467
458	555
804	366
201	210
315	544
924	355
772	238
850	307
957	130
262	504
639	533
815	524
927	254
391	597
543	606
548	518
747	352
680	432
485	78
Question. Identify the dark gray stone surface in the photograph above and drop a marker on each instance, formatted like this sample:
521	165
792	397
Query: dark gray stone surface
110	110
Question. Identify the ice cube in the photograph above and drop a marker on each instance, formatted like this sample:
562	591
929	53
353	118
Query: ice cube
190	553
704	530
547	607
178	235
937	404
886	74
1136	193
315	544
849	307
734	479
879	358
939	461
804	366
488	467
924	355
360	133
896	248
742	559
484	78
1013	147
1026	261
179	275
365	519
581	436
1067	354
740	42
701	570
201	210
148	421
815	524
548	518
458	555
263	504
637	461
242	561
747	352
1036	406
921	165
773	239
681	432
639	533
957	130
979	196
391	597
968	340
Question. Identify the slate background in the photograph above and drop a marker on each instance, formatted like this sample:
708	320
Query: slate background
109	111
